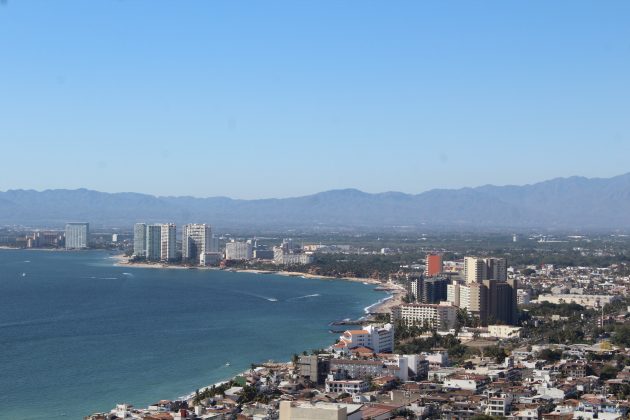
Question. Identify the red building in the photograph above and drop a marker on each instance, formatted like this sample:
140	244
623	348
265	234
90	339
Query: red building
434	265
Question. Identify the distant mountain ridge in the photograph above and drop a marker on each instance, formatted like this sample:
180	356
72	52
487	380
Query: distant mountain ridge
563	203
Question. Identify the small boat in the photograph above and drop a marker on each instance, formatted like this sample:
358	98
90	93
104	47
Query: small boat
227	363
23	274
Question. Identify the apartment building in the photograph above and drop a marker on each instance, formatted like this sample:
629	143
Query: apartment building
441	316
196	241
239	251
378	338
168	242
433	265
77	235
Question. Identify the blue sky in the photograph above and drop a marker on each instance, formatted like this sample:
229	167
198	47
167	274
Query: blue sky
284	98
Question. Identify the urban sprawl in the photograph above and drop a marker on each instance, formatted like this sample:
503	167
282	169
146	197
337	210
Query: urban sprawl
465	335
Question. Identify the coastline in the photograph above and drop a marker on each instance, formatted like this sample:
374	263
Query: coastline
382	306
393	297
123	261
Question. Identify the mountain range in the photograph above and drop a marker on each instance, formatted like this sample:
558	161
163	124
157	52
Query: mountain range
561	203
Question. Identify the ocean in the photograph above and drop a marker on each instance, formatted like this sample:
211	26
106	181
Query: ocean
79	334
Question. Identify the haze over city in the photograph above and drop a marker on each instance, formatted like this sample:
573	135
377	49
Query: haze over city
280	99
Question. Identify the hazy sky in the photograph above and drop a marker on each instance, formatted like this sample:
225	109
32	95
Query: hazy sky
272	99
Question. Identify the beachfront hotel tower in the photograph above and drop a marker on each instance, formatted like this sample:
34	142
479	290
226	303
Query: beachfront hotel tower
477	270
196	241
168	243
154	242
77	235
140	240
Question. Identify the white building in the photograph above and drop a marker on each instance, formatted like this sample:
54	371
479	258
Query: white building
379	339
239	251
77	235
452	293
499	404
196	241
441	316
168	242
468	296
523	297
503	331
140	240
319	411
282	257
415	286
477	270
350	386
589	301
436	360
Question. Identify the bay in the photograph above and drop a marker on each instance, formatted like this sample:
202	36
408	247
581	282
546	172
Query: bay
79	334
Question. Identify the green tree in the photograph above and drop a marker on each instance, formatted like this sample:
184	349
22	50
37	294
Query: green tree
621	335
550	355
497	353
608	372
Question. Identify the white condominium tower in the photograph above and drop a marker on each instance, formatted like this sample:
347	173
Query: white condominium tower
140	239
77	235
154	242
168	248
477	270
196	241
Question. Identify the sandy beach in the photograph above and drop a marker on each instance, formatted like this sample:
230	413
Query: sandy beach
122	260
383	306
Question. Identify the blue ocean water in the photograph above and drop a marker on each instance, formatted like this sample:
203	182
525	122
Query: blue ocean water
79	334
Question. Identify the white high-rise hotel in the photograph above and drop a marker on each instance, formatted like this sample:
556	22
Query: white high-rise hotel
155	242
77	235
196	241
477	270
168	242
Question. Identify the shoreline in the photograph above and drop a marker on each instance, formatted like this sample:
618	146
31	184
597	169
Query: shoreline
123	261
394	296
384	305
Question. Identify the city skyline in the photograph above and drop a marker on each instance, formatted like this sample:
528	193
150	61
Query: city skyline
407	98
315	210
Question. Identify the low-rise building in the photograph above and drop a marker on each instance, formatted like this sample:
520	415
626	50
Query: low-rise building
348	386
498	403
589	301
319	411
378	338
504	331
